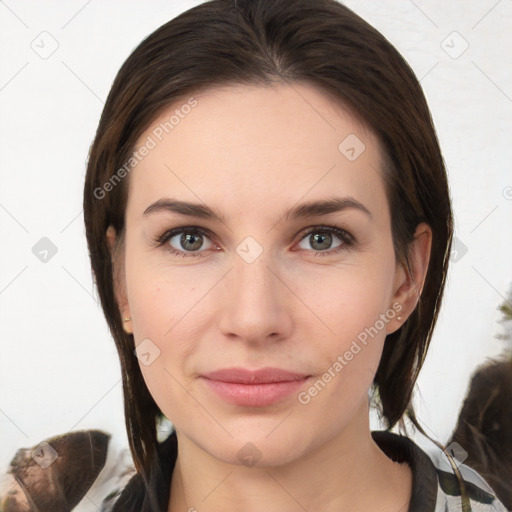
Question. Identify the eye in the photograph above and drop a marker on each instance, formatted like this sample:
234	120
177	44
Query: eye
192	241
185	242
326	239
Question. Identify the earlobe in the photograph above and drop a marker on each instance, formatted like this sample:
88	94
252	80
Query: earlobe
127	322
409	281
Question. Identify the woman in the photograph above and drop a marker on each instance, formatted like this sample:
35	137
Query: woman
269	225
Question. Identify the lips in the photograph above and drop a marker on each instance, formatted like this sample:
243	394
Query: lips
253	388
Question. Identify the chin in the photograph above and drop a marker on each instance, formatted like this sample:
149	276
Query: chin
261	453
251	442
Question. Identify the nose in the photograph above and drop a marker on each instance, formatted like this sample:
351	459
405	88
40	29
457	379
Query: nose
255	306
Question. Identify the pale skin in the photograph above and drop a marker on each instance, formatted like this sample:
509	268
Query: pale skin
251	154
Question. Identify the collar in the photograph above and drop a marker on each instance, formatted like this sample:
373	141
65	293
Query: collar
424	475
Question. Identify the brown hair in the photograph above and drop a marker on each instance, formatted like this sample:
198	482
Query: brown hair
265	42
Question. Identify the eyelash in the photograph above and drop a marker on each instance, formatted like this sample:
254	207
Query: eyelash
348	241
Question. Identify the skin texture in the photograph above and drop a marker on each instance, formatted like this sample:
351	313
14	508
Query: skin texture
252	153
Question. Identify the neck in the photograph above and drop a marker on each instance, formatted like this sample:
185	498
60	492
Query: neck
347	473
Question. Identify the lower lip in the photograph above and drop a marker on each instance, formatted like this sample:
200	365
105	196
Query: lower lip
254	395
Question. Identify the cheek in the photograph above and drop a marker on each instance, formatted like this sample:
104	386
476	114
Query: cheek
168	316
162	314
356	310
349	299
353	309
161	297
161	305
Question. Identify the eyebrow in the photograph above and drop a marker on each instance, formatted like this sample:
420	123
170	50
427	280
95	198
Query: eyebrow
309	209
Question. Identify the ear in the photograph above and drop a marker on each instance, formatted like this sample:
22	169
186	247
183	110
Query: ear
119	281
408	283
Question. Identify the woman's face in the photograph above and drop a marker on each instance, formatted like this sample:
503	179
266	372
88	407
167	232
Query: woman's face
263	277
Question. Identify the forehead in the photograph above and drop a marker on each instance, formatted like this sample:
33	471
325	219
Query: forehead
260	147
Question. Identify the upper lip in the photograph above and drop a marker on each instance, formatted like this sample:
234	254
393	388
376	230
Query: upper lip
256	376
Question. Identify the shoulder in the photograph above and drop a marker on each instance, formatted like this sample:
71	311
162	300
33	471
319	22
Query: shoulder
440	482
474	488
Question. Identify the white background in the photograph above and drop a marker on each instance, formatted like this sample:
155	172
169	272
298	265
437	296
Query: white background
58	366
